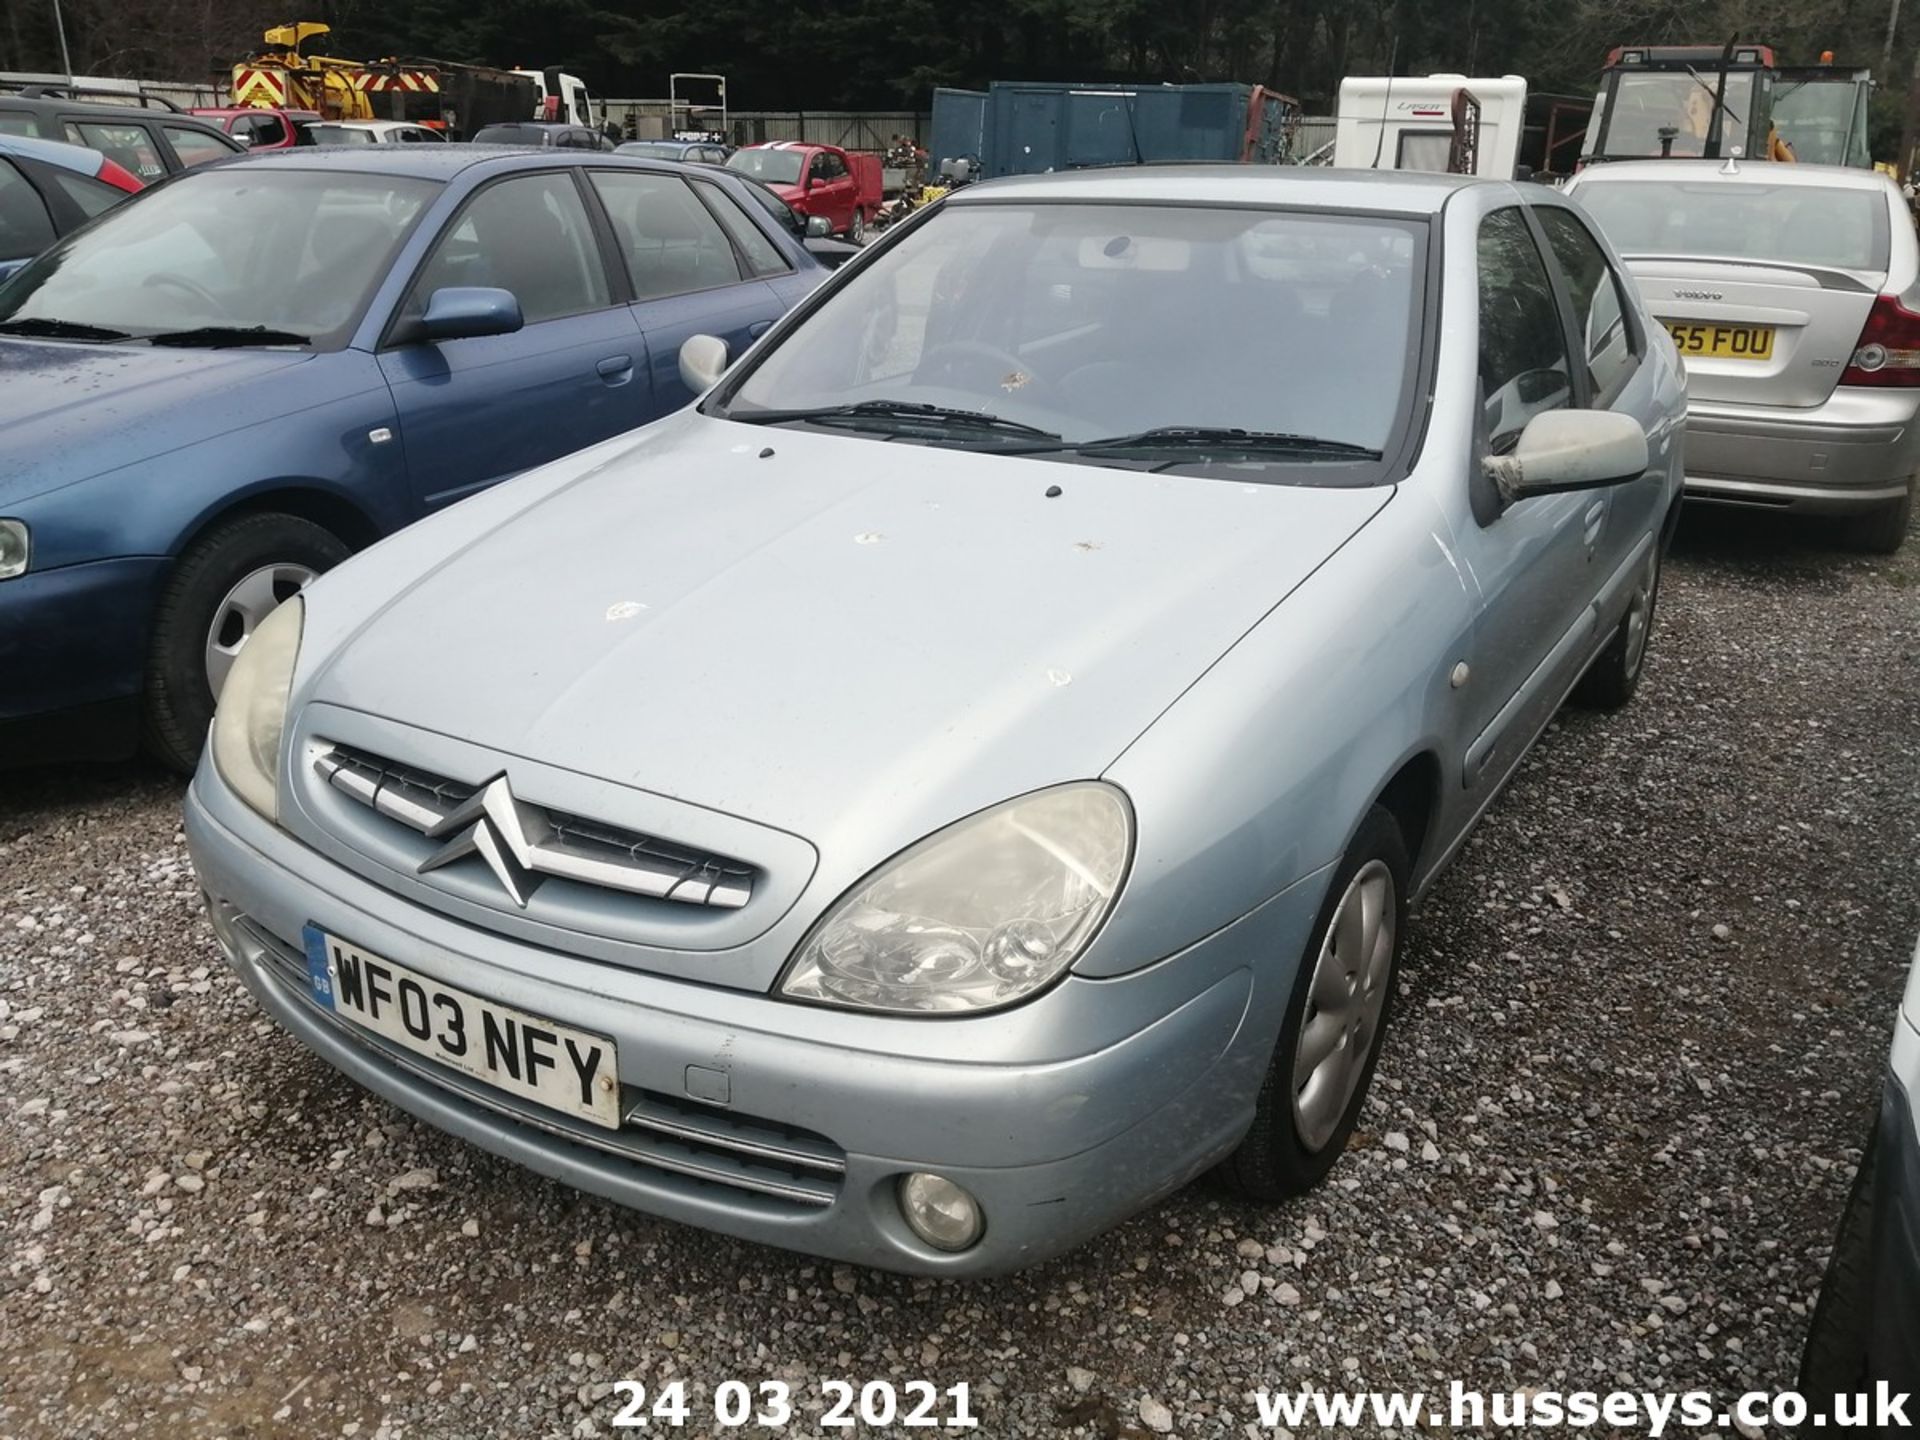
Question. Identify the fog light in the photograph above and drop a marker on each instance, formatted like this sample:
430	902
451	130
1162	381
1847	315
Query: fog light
940	1212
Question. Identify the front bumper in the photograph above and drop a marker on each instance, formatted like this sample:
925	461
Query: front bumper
1058	1138
73	646
1856	452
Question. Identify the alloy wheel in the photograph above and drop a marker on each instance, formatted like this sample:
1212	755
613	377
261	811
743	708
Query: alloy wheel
1346	1000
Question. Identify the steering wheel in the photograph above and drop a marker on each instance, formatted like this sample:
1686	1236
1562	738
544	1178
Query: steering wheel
941	360
167	280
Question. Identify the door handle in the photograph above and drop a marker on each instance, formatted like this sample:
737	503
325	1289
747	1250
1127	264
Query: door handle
616	369
1596	512
758	328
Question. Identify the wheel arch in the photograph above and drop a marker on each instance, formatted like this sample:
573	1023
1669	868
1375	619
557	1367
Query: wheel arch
1412	797
305	500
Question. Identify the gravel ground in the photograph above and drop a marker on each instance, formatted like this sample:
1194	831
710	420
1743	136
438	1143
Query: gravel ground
1640	1034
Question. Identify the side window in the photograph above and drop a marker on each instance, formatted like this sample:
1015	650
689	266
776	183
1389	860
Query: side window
763	256
17	122
91	196
671	243
128	146
1524	368
835	166
817	167
195	147
260	130
25	226
529	235
1598	305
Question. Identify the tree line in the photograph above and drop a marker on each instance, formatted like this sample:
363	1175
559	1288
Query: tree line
889	54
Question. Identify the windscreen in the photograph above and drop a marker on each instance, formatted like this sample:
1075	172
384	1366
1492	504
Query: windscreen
1745	220
775	167
293	251
1088	321
1643	106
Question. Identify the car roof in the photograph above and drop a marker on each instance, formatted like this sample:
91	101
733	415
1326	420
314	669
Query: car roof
52	152
445	162
1767	172
65	104
1294	186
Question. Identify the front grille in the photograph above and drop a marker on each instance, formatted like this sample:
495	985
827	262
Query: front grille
524	844
780	1166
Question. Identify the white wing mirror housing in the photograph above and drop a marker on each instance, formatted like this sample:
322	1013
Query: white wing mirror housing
1570	450
703	360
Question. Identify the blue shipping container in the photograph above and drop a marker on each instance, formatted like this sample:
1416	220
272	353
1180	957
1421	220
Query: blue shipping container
1029	127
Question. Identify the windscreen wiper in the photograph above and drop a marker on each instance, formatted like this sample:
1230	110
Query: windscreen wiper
908	410
60	330
213	337
1220	440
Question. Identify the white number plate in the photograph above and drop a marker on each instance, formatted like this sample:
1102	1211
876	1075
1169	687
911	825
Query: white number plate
573	1071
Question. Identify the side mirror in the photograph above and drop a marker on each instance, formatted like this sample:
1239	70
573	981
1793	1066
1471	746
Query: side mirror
464	312
1570	450
703	360
818	227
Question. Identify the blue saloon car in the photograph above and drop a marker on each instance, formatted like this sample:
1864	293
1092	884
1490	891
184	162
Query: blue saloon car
213	395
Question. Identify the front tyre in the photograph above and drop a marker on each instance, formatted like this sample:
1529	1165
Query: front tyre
217	595
1330	1040
857	227
1614	676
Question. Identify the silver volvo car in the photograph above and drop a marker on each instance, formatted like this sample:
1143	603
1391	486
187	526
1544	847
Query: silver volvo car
1793	294
967	775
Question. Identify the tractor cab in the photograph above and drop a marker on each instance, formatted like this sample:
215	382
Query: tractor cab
1683	102
1713	102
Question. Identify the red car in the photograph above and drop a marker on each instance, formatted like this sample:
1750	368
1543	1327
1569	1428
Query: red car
842	185
259	127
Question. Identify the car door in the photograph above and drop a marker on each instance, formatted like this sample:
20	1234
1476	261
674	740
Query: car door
687	275
1607	330
477	410
1531	560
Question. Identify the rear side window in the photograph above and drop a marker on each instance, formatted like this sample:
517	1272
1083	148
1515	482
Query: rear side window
763	256
25	226
671	244
529	235
92	196
1523	351
128	146
195	147
15	122
1599	309
1744	220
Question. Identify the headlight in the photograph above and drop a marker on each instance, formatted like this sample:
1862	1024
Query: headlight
252	712
16	548
978	915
